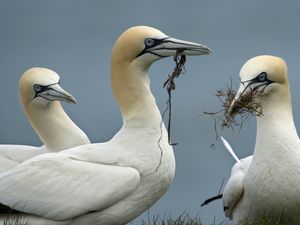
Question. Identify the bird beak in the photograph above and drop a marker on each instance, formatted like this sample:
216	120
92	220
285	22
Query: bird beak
243	89
170	47
56	93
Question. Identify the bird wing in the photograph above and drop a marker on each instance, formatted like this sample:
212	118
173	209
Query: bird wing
12	155
20	153
58	187
234	188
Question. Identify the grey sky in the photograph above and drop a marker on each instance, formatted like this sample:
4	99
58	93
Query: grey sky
75	38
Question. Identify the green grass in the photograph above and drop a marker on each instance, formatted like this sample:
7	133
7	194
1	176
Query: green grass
183	219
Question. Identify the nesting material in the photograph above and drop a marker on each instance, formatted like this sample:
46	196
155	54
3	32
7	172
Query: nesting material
170	86
245	107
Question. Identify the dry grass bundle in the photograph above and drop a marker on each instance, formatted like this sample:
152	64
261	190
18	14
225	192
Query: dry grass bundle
246	106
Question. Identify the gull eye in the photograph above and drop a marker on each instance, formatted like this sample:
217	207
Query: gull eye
149	42
262	77
37	88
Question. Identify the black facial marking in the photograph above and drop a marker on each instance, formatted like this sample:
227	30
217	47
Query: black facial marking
150	43
261	79
38	89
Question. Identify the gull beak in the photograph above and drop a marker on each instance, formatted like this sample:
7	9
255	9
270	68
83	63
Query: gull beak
56	93
170	47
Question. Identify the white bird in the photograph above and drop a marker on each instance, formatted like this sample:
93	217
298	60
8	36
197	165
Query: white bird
269	187
107	183
40	95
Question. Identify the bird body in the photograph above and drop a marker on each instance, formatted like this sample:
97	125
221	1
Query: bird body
271	185
107	183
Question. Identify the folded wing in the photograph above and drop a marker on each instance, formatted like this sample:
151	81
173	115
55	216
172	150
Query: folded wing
234	188
59	187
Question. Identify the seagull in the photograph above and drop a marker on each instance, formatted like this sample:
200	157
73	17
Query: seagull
40	95
267	186
107	183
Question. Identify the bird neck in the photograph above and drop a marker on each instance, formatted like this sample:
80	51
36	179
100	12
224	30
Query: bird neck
53	126
276	128
131	88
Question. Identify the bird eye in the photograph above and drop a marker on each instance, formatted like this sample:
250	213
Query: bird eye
37	88
262	77
149	42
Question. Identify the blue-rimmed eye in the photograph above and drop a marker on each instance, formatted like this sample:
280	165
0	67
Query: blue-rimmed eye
37	88
262	77
149	42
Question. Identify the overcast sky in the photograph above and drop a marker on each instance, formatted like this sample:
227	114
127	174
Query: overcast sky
75	38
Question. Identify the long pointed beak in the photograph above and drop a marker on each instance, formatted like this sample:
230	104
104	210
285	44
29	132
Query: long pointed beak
56	93
171	46
243	89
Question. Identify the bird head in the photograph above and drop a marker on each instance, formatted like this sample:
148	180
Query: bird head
145	45
265	74
40	86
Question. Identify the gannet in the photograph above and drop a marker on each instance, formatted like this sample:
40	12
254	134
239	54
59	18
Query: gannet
269	187
107	183
40	95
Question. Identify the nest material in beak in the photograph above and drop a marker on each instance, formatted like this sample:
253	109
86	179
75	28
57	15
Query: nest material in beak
169	84
245	107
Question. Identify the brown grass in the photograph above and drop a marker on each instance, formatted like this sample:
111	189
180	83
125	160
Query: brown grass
245	107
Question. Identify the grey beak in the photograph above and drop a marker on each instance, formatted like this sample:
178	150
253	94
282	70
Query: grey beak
186	47
56	93
168	46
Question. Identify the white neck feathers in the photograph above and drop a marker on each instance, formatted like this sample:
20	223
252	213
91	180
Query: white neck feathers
53	126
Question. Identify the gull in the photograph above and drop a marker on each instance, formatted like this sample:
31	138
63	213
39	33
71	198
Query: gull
107	183
267	185
40	95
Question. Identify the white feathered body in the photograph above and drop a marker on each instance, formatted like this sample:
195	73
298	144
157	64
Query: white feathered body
272	184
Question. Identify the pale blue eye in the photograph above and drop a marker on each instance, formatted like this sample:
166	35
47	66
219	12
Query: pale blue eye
37	88
262	77
149	42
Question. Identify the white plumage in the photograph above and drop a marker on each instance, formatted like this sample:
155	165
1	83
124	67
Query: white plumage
267	185
40	96
107	183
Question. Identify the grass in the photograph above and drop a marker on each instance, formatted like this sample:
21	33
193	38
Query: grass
183	219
